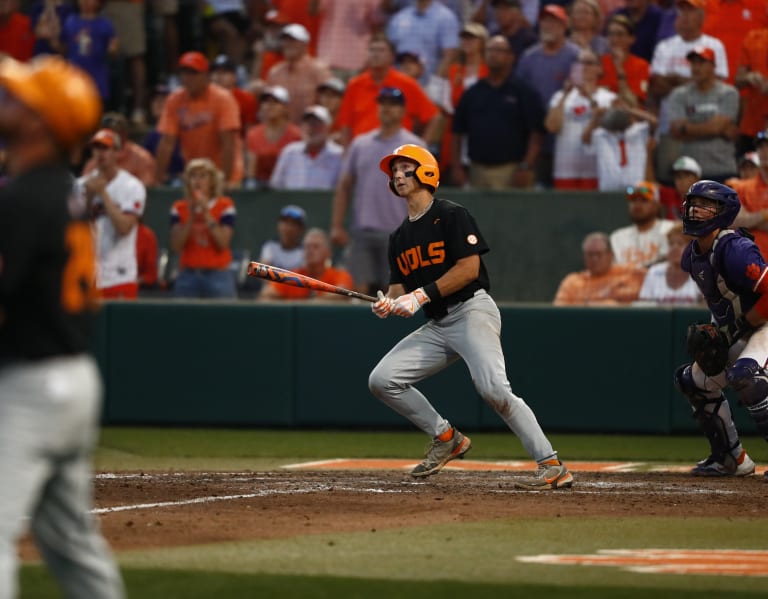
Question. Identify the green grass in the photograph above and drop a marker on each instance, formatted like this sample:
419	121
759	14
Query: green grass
182	584
453	560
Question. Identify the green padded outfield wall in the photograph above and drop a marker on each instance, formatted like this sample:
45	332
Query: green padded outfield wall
301	365
535	237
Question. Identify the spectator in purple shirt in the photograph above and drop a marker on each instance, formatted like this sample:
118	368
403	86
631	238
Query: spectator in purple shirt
646	18
88	40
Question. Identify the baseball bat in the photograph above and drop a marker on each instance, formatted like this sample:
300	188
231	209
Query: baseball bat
288	277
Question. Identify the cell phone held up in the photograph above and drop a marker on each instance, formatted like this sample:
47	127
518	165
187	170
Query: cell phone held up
577	74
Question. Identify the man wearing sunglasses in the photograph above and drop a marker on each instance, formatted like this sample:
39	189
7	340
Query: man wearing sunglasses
644	242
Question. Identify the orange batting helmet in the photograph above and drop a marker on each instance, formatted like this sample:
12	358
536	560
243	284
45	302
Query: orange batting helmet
427	172
62	95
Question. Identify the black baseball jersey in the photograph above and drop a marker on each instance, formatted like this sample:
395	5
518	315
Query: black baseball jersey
421	252
47	264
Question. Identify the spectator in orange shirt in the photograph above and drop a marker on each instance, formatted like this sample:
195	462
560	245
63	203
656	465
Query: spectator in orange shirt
264	142
623	72
299	72
202	226
730	21
752	81
16	36
317	264
753	194
357	116
603	283
131	156
204	117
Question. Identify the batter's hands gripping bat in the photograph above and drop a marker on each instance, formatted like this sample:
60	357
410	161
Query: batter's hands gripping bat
288	277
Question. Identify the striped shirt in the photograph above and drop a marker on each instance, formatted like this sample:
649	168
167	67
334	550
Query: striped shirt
297	169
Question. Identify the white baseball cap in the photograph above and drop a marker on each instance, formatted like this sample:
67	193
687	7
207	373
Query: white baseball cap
751	157
687	164
278	92
296	31
319	112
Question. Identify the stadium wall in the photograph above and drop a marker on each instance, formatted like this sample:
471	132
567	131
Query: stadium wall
294	365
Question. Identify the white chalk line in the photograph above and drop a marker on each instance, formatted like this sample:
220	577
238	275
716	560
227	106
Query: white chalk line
582	488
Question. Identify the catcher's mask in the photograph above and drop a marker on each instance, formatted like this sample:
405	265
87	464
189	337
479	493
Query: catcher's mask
728	206
427	170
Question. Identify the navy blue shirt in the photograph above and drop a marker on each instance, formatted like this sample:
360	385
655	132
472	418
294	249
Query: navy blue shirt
646	30
498	121
727	274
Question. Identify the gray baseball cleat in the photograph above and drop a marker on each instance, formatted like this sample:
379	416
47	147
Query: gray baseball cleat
442	452
551	474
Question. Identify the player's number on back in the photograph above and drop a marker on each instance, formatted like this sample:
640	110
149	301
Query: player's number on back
77	285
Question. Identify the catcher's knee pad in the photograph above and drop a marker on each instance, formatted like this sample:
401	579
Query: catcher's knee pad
750	380
687	386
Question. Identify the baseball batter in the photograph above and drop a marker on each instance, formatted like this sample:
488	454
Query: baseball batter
50	391
435	264
733	350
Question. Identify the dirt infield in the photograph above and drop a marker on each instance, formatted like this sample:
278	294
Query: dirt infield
215	507
143	510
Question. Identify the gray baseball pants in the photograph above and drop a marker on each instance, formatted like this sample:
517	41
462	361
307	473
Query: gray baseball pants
471	332
49	415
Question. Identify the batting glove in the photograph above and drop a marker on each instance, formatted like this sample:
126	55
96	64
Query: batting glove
383	307
407	305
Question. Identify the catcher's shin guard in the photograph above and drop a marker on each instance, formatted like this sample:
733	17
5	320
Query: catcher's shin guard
750	380
713	415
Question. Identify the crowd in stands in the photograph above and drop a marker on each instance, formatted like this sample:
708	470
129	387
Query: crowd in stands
640	96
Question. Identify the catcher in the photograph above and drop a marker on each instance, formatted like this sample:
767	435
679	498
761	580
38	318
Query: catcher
732	350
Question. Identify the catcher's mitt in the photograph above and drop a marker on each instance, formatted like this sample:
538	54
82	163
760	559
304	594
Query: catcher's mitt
708	346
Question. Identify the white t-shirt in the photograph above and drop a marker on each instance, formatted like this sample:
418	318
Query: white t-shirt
572	161
116	254
276	255
669	58
656	290
630	246
621	157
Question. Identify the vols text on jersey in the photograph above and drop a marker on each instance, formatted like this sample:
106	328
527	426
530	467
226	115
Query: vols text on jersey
413	258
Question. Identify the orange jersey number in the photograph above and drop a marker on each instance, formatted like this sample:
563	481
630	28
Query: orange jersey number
77	284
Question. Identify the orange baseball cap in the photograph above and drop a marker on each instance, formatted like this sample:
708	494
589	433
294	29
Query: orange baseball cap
702	52
195	61
64	96
554	10
106	138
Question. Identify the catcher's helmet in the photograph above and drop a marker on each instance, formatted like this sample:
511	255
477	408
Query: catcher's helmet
427	172
728	207
62	95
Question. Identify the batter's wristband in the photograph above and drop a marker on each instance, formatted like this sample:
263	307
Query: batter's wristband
433	293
